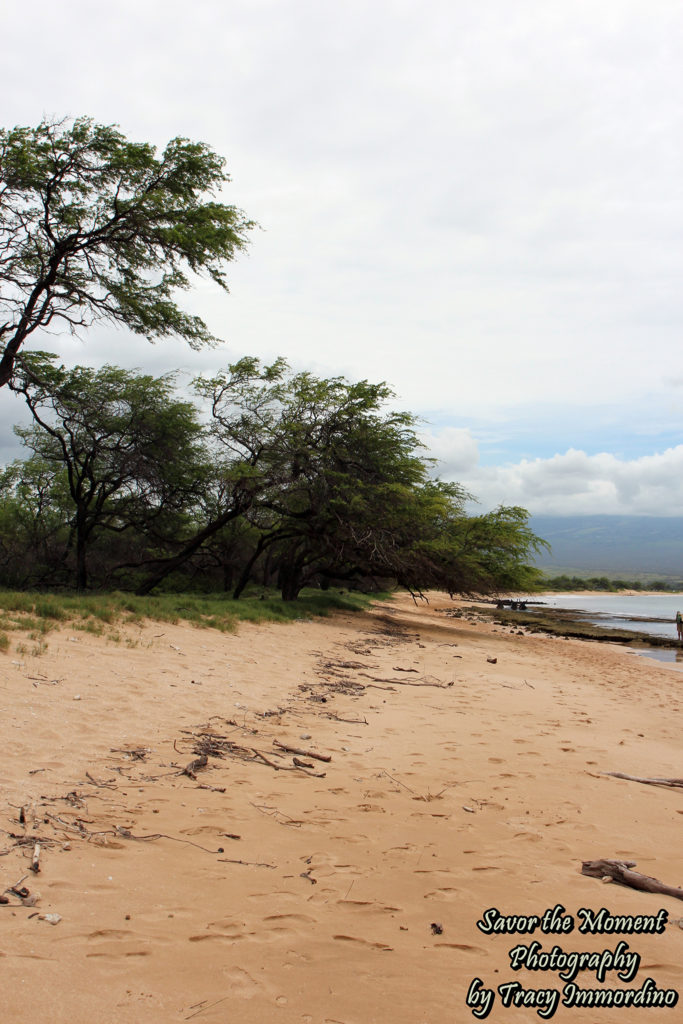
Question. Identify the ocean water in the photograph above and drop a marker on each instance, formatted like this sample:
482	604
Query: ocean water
645	613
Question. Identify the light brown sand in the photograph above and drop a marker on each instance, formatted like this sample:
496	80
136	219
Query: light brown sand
438	803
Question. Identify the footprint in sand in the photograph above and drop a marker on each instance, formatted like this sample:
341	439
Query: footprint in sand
109	933
449	893
200	830
363	942
369	906
477	950
241	982
279	925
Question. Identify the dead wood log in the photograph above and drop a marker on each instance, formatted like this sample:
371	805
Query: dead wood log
620	871
304	753
671	783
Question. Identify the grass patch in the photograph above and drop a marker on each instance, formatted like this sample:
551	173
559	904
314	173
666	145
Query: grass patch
39	613
4	643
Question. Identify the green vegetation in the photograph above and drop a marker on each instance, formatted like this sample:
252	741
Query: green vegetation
294	481
263	477
96	228
571	583
91	614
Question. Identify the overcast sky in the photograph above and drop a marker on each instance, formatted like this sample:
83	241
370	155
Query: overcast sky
477	202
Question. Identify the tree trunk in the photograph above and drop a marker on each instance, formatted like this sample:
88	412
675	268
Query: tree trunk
193	545
228	573
246	572
81	546
290	581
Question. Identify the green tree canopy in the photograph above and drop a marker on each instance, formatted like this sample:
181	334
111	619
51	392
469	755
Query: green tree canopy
341	488
96	228
127	450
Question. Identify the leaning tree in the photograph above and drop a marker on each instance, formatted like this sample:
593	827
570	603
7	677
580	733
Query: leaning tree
95	228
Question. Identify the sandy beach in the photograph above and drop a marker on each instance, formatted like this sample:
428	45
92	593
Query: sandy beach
463	771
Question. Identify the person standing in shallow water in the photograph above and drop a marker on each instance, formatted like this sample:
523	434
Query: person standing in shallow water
679	625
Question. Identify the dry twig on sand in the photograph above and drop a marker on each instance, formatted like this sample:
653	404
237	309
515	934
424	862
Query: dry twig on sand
406	682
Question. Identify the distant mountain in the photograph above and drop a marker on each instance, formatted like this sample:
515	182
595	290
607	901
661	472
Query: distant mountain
609	545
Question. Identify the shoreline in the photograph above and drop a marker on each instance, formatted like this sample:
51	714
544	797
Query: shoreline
575	623
466	773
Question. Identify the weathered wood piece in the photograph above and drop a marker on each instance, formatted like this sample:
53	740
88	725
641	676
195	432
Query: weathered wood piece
304	753
35	860
405	682
621	871
671	783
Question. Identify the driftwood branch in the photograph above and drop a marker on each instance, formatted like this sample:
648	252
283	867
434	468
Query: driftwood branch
247	863
405	682
271	764
620	871
348	721
304	753
287	768
671	783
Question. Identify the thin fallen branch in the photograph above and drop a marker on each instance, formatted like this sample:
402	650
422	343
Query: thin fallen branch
405	682
202	1004
620	871
271	764
304	753
671	783
397	781
247	863
100	785
273	812
288	768
348	721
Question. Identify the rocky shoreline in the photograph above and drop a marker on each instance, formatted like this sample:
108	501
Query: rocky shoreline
537	618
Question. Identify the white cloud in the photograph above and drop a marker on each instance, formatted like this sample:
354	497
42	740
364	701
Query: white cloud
477	202
455	449
575	483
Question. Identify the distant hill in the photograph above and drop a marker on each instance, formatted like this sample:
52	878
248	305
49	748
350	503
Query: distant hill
609	545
